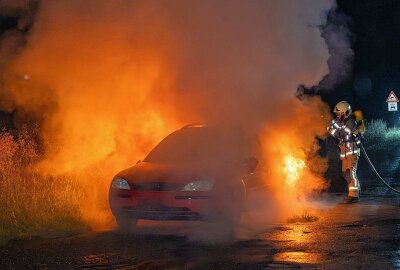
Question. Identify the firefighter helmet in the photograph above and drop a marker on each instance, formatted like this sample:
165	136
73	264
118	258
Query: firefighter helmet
343	108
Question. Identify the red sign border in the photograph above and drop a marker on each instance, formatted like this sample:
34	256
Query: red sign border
392	92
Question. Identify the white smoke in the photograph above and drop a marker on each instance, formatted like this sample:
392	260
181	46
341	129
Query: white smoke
109	79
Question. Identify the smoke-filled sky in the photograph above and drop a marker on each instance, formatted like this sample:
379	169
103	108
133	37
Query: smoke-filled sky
104	76
106	80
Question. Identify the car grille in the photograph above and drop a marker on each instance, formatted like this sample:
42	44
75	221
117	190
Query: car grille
157	186
161	212
155	207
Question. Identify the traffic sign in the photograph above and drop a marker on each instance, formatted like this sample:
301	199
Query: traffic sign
392	98
392	106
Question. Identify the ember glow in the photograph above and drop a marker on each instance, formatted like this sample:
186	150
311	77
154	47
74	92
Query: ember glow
293	168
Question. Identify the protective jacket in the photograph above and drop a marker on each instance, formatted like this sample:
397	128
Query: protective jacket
347	132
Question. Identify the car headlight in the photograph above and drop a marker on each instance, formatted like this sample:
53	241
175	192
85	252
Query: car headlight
120	183
201	185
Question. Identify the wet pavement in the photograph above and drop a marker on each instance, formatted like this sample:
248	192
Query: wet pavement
365	235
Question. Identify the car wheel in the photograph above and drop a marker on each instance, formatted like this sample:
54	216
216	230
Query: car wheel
126	224
225	226
233	217
230	220
237	206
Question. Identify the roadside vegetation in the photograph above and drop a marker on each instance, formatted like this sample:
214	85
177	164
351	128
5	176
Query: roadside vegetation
303	218
380	137
31	203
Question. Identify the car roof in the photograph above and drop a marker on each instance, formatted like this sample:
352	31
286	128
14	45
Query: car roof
206	141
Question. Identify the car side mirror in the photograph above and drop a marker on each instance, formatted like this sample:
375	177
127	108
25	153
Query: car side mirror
251	164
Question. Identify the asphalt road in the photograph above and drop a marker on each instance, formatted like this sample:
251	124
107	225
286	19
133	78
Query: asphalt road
365	235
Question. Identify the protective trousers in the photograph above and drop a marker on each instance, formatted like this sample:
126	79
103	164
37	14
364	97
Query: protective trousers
349	170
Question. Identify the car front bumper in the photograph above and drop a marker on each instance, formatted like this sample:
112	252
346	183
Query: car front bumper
164	205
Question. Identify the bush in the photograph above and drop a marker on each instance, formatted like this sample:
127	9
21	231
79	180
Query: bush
393	135
375	131
380	137
30	203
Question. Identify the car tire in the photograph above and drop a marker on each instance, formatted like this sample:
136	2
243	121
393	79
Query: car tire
233	217
225	226
230	220
126	224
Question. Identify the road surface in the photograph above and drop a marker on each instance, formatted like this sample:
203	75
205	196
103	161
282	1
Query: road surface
365	235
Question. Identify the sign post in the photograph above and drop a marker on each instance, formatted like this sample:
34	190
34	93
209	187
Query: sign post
392	101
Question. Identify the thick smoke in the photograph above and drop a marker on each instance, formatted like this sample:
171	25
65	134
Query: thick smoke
338	39
109	79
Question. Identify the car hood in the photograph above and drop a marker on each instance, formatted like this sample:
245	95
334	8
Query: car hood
154	172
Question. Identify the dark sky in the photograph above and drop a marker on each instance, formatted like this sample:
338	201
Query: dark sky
376	28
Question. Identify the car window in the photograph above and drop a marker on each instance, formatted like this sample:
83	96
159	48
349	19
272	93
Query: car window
203	145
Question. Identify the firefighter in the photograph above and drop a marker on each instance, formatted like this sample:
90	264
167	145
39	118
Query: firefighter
348	128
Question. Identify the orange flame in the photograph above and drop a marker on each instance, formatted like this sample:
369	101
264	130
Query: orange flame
106	91
293	168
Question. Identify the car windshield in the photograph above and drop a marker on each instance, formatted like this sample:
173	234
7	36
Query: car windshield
202	145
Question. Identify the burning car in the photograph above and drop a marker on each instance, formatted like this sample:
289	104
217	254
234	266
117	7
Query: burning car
196	173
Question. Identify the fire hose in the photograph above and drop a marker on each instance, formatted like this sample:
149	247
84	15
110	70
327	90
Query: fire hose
375	171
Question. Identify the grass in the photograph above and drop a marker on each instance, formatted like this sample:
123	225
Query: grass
303	218
32	204
381	138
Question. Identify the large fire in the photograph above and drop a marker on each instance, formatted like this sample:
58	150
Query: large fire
107	80
293	168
